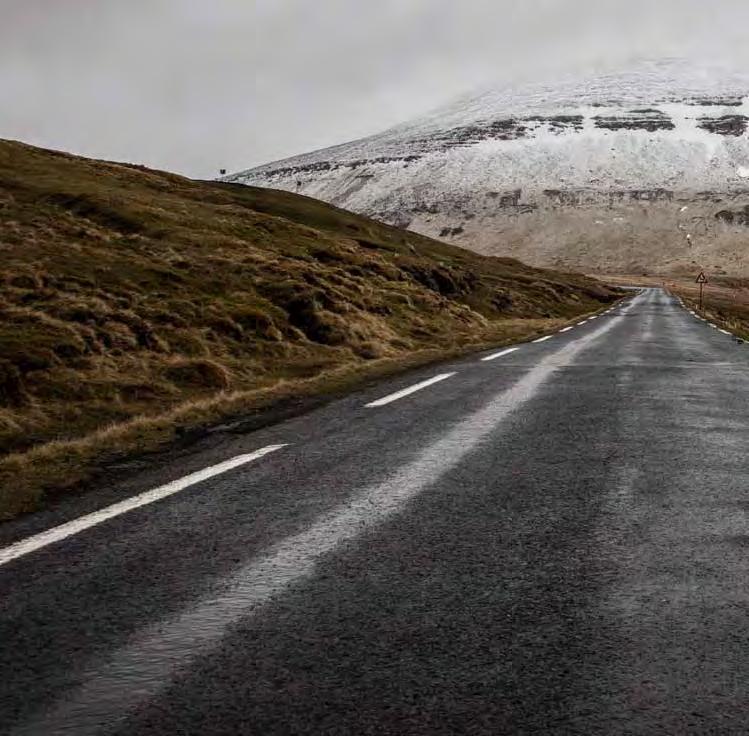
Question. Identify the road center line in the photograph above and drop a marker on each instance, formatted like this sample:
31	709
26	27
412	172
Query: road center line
58	533
499	355
408	391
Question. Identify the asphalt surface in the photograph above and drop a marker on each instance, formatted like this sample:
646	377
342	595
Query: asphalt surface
554	541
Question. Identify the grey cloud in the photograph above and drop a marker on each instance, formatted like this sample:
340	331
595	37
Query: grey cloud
194	86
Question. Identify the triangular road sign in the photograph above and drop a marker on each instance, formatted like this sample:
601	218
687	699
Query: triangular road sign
701	279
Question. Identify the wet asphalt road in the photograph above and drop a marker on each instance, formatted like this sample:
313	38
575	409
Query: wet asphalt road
555	541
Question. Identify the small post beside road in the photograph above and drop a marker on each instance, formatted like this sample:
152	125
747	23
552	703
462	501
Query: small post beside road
701	280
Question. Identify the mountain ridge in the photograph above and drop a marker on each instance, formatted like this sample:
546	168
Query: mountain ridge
505	171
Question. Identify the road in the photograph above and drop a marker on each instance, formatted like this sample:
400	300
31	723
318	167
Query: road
552	540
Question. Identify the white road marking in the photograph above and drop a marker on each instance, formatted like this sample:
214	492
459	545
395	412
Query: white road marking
595	316
725	332
543	339
133	673
499	355
408	391
58	533
567	329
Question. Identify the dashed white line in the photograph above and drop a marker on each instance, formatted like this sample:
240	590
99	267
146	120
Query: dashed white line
567	329
58	533
133	673
408	391
543	339
725	332
499	355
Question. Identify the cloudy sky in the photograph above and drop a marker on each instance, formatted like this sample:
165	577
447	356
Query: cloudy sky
197	85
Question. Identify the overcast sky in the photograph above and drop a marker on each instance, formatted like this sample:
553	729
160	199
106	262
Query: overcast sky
196	85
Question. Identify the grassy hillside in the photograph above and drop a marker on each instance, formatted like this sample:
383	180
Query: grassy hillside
136	301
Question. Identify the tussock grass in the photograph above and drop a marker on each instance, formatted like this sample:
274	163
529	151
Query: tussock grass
134	302
52	468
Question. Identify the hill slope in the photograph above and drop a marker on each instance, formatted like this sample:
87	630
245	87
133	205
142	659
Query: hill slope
130	293
609	173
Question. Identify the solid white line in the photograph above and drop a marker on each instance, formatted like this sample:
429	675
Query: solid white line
567	329
407	391
499	355
58	533
543	339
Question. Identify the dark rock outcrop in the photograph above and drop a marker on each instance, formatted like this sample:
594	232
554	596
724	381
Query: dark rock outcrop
734	125
649	120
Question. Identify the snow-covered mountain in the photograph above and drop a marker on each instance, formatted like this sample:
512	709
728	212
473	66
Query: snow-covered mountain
642	170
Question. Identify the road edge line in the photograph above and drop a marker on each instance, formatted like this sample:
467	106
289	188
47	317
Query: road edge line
59	533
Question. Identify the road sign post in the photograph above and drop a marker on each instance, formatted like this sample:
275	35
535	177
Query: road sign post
701	280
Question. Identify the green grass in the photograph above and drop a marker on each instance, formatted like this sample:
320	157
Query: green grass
133	301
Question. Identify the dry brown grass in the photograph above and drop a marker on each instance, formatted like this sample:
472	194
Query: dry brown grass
725	298
725	302
52	468
136	301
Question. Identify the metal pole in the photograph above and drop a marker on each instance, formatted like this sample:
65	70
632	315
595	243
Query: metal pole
701	287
